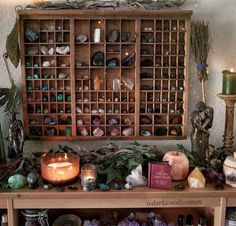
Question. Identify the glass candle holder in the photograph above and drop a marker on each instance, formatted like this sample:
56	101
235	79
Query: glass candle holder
229	82
88	177
60	168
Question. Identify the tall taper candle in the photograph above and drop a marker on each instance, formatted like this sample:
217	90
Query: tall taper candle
229	82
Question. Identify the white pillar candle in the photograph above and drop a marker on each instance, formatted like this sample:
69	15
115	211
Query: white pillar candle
97	34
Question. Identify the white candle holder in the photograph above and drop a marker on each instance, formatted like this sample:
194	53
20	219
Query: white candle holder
97	35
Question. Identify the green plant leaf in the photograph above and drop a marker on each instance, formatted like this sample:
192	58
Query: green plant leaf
9	98
12	45
132	163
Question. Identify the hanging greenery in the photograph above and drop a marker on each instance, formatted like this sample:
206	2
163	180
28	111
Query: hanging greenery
95	4
200	46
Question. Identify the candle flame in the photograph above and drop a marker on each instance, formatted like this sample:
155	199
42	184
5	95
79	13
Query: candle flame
231	69
66	157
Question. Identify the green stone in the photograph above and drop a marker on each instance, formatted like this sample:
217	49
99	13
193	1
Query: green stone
52	98
68	98
103	187
45	99
17	181
60	97
28	64
68	132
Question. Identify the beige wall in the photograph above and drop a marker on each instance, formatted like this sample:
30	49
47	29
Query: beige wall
221	17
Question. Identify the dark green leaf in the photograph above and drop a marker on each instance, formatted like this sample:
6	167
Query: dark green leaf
12	45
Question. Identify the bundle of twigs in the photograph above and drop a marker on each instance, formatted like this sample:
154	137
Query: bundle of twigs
200	46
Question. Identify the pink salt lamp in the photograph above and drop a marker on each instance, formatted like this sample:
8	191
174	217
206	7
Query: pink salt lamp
179	164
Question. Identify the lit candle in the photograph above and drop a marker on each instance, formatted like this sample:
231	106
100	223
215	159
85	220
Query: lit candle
59	168
229	82
88	177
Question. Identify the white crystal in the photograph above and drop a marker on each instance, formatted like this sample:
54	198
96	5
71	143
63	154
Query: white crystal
136	178
63	50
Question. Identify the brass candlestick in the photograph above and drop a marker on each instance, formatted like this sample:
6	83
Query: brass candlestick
229	120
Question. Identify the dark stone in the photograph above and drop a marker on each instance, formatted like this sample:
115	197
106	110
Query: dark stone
113	36
45	99
117	186
181	76
173	75
142	110
31	35
145	75
158	119
128	37
145	120
114	62
145	51
68	120
47	120
161	131
98	59
180	111
165	65
52	98
146	87
147	63
73	187
165	75
128	60
32	179
149	110
60	188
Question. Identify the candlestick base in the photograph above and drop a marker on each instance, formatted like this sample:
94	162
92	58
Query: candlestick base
229	120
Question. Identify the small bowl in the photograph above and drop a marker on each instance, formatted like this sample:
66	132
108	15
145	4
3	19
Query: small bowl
67	219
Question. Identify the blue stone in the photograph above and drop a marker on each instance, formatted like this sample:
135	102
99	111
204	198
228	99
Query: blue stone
117	186
31	35
36	76
45	88
113	62
29	77
29	88
36	65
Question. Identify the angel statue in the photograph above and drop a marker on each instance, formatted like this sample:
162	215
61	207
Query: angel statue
201	119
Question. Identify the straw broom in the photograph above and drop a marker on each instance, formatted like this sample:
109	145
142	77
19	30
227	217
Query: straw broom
200	46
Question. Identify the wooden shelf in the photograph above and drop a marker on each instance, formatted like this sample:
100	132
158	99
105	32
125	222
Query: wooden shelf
173	201
160	38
